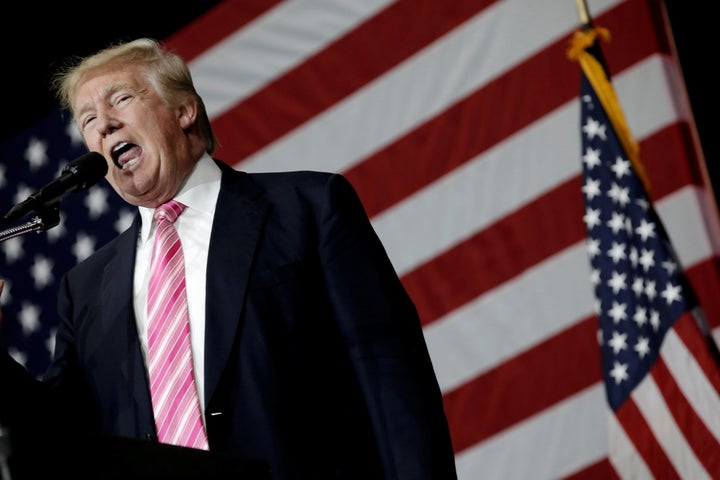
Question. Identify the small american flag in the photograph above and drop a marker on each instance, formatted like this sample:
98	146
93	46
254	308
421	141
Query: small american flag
661	377
31	264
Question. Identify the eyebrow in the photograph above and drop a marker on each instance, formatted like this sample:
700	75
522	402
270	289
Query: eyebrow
106	93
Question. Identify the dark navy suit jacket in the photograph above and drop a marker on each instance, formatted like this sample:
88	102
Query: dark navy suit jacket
315	360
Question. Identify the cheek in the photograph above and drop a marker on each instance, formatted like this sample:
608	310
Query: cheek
92	143
110	177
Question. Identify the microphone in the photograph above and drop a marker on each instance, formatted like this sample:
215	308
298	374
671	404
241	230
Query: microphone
80	174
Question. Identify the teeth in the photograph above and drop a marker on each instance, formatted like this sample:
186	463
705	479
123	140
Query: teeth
119	146
130	163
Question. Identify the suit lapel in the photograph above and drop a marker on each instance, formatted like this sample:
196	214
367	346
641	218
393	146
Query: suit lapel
118	319
239	219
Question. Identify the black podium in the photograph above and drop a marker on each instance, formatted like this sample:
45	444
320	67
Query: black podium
120	458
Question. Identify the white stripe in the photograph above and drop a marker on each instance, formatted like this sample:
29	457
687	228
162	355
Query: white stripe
496	327
426	84
652	404
553	444
279	40
652	97
692	381
690	223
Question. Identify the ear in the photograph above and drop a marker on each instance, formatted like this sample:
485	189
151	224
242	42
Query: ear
187	113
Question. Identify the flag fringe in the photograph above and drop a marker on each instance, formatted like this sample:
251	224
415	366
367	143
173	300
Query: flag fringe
595	73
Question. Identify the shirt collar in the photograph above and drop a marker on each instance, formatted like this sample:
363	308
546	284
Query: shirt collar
199	192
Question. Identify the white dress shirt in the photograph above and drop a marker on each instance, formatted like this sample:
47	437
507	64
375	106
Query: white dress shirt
199	195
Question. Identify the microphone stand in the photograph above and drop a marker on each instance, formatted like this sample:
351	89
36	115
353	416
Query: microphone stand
47	217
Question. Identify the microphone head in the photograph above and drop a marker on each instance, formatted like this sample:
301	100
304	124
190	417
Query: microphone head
87	169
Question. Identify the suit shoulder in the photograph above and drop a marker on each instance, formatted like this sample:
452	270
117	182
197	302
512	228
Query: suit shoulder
302	180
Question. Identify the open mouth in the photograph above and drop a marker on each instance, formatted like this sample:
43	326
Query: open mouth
125	155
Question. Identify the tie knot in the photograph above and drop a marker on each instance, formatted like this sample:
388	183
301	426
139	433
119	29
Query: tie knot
169	211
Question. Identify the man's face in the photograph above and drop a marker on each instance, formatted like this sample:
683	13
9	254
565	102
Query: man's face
122	116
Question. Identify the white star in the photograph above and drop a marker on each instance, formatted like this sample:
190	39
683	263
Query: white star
41	271
637	286
84	246
645	230
22	193
29	318
593	247
591	189
124	220
592	158
617	282
655	319
647	259
628	226
617	312
593	128
619	372
650	289
58	230
621	167
671	293
617	252
595	277
13	249
640	316
642	346
50	341
73	132
616	222
36	153
669	266
618	342
592	218
633	256
96	202
619	194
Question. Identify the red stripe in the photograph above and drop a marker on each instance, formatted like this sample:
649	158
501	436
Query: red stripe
601	470
498	253
526	385
487	117
699	438
670	150
639	433
334	73
705	280
532	234
215	25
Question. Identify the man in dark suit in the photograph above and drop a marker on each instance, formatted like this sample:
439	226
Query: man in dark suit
307	351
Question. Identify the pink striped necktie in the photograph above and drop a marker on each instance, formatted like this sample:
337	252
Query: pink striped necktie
172	384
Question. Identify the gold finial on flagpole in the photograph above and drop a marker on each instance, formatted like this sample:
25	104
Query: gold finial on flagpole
583	13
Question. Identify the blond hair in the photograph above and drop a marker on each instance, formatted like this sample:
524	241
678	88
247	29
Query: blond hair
167	71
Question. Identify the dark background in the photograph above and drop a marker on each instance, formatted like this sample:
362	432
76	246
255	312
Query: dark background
37	37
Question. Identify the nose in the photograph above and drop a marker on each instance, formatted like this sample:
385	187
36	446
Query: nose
106	122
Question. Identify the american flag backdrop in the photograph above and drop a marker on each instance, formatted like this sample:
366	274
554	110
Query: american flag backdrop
459	123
